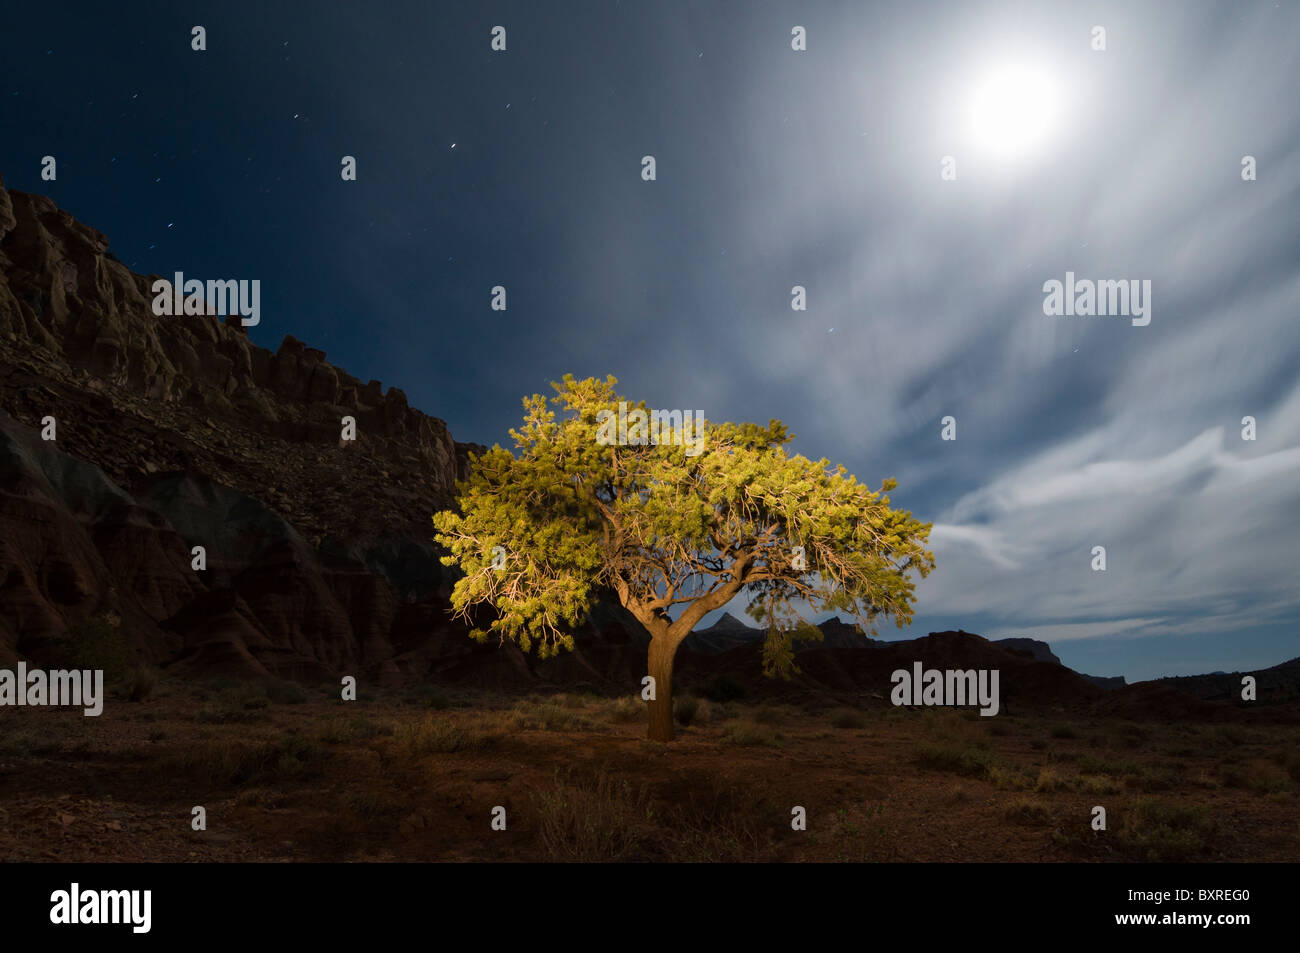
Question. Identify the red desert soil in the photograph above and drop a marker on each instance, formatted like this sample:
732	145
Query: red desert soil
391	778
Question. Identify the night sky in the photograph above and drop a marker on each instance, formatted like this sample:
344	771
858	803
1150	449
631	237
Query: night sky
775	168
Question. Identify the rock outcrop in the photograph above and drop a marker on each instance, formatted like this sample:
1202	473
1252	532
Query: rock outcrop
177	432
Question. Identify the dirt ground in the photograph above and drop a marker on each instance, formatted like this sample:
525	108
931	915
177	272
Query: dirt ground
286	773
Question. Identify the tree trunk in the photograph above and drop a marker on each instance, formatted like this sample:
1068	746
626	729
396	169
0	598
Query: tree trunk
662	650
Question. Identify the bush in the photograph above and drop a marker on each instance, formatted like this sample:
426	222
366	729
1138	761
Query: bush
627	708
685	709
748	734
437	736
545	716
597	819
93	643
290	759
431	696
139	683
957	759
1160	831
286	693
1022	810
849	718
724	689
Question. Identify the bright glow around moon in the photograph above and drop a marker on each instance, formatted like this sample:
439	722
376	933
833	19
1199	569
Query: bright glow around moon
1013	110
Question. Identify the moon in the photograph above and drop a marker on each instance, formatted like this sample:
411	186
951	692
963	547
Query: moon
1014	110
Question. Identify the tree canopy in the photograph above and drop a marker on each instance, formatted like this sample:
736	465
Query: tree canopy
675	523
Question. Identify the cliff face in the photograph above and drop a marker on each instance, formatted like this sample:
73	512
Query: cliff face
134	393
176	432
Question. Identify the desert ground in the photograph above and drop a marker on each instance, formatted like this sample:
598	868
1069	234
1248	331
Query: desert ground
287	772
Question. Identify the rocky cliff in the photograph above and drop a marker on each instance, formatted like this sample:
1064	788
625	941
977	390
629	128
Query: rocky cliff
176	432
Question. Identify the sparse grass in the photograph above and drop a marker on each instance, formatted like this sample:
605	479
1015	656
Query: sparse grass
720	825
1258	776
1023	810
626	709
138	683
749	734
546	716
1156	778
686	709
1097	784
849	719
966	760
1227	736
290	759
1010	779
283	692
230	716
1090	765
1159	831
371	806
1131	735
1064	732
599	819
1049	780
1290	762
430	696
438	735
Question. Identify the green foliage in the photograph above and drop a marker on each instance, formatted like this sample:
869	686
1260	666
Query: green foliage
538	534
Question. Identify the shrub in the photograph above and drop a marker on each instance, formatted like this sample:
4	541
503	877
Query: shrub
1048	781
848	719
748	734
94	643
965	760
601	819
284	692
1023	810
436	735
685	709
627	708
431	696
724	689
545	716
139	683
1161	831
